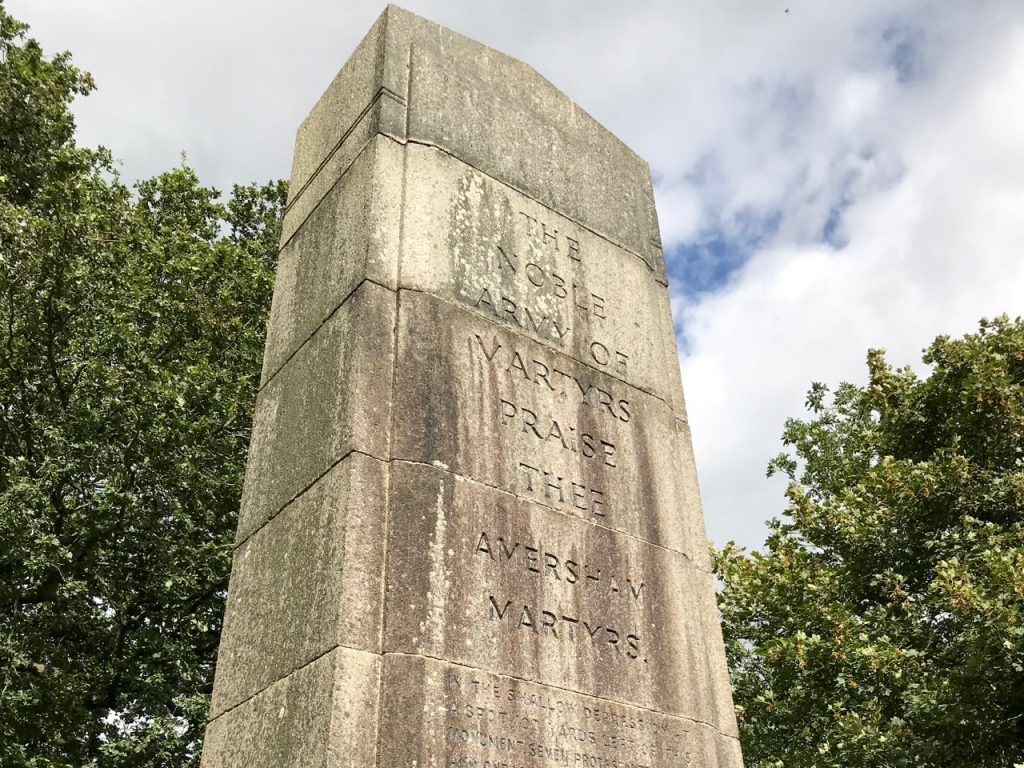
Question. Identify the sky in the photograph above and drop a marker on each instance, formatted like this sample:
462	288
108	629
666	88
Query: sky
830	176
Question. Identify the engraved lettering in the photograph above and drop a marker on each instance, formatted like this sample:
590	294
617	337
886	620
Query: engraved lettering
508	553
602	638
574	248
484	547
540	373
633	646
494	350
535	275
526	618
509	307
531	224
551	563
486	300
535	558
547	430
621	359
533	323
553	379
506	262
517	364
531	559
559	286
496	612
548	621
550	237
538	481
571	568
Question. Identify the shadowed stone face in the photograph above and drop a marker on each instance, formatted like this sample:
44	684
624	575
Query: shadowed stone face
470	533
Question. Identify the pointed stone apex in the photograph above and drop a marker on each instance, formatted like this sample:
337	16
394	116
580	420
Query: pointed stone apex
470	532
416	81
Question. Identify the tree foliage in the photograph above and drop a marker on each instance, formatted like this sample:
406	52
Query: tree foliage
883	624
131	329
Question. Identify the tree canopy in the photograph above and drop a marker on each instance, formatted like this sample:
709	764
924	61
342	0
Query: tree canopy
131	326
883	624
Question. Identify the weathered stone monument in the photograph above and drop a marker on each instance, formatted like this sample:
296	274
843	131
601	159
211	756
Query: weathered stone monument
470	534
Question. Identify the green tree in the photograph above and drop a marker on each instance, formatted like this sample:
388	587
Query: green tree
883	624
131	330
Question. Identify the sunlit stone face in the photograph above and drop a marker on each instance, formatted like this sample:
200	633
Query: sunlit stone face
470	533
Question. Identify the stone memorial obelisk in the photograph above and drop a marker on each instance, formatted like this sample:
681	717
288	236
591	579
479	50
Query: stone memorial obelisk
470	534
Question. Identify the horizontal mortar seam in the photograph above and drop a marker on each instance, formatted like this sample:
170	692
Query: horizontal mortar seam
486	319
529	681
529	196
548	345
320	325
295	498
327	193
442	660
550	508
295	668
469	479
496	180
636	387
383	655
380	92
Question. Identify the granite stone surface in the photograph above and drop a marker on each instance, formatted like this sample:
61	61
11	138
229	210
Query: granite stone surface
470	534
487	403
451	715
419	82
332	397
351	236
317	565
323	715
494	582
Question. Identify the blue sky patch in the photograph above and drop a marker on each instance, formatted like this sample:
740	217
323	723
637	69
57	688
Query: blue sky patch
705	264
904	51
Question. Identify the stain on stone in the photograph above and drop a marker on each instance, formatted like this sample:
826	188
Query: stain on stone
467	532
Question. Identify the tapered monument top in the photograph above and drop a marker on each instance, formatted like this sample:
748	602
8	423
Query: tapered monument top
419	82
470	534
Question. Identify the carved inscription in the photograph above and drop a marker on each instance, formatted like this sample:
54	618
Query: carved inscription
576	573
497	723
504	308
580	391
557	490
546	298
538	560
571	437
575	387
547	429
563	626
548	236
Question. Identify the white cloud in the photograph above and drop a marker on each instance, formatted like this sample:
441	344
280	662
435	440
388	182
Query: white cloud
903	118
931	249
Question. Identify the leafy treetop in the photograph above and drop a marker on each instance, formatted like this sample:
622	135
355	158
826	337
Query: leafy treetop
883	624
131	330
